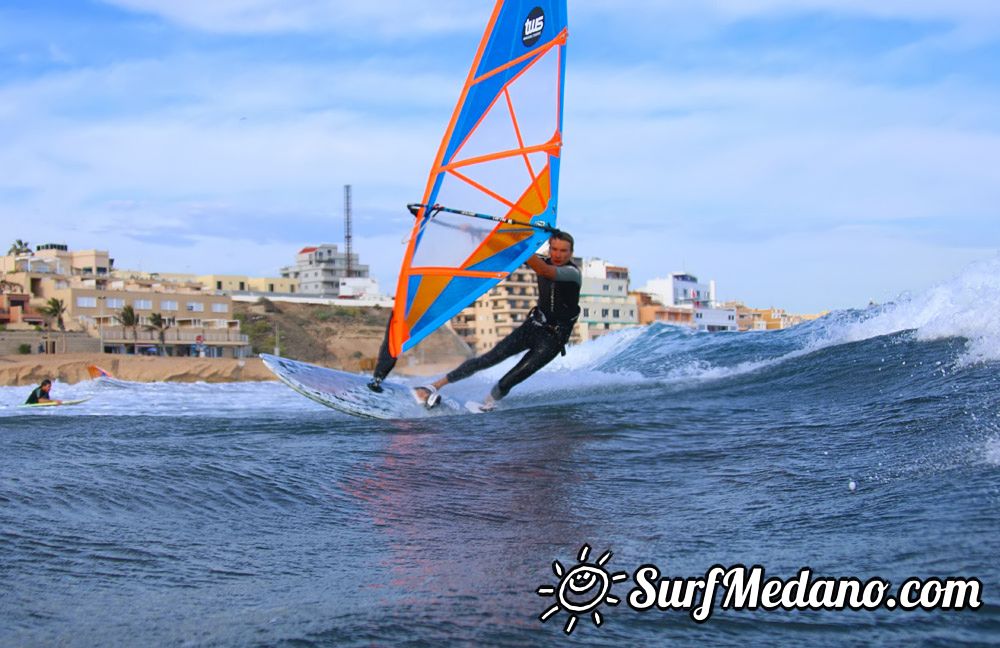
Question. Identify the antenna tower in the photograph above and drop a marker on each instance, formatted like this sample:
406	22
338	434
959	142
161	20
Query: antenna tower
347	231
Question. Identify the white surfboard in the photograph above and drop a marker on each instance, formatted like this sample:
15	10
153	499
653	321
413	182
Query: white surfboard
349	393
63	403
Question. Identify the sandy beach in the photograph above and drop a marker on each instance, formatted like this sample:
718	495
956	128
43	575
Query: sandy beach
71	368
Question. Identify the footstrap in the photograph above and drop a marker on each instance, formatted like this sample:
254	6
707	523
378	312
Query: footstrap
433	397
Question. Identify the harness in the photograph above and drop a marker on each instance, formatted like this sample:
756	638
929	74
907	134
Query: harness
562	330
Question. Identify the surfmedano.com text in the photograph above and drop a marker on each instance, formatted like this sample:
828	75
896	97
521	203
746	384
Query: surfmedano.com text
746	588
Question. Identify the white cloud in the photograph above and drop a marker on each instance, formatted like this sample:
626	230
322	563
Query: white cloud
222	163
194	174
959	11
395	18
780	149
358	20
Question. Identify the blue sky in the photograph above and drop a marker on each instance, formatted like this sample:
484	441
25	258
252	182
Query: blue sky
809	154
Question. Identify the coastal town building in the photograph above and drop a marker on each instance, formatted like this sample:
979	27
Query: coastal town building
651	310
240	284
767	319
605	304
57	258
15	308
714	320
682	290
200	322
322	271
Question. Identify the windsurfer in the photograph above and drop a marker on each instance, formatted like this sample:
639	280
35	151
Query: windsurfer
544	334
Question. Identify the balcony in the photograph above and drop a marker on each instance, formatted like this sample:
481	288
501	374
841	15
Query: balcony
118	334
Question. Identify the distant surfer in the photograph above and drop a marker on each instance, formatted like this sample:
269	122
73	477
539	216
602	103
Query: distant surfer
40	394
543	334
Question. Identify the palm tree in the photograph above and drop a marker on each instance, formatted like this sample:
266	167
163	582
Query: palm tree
19	247
54	311
159	324
129	320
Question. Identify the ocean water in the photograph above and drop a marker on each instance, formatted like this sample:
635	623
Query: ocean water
864	444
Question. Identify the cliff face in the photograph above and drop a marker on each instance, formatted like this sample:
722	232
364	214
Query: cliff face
340	337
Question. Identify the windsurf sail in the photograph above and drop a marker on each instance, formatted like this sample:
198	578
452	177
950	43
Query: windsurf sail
491	197
96	372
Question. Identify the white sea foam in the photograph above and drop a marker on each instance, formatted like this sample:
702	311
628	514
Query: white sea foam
993	451
966	306
160	399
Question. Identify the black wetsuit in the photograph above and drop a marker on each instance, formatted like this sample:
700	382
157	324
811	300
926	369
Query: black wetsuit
385	361
544	334
36	395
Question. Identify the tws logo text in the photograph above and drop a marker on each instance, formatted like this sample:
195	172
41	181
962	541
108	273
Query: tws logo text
533	26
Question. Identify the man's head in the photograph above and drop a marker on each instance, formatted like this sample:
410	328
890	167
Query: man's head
560	248
46	385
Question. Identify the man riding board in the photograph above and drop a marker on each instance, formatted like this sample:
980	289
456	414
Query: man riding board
40	394
543	334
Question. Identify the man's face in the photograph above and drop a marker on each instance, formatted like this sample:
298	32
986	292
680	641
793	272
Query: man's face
46	388
560	252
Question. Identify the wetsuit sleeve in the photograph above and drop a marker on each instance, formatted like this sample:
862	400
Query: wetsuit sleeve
569	273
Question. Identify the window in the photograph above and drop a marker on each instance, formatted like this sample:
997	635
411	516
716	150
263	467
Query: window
168	305
604	312
220	308
195	307
615	314
242	286
86	302
142	304
115	302
606	288
218	285
586	312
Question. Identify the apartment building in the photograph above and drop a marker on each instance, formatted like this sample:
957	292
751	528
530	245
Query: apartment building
16	311
238	283
497	313
651	310
322	271
58	259
767	319
683	290
605	304
200	321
